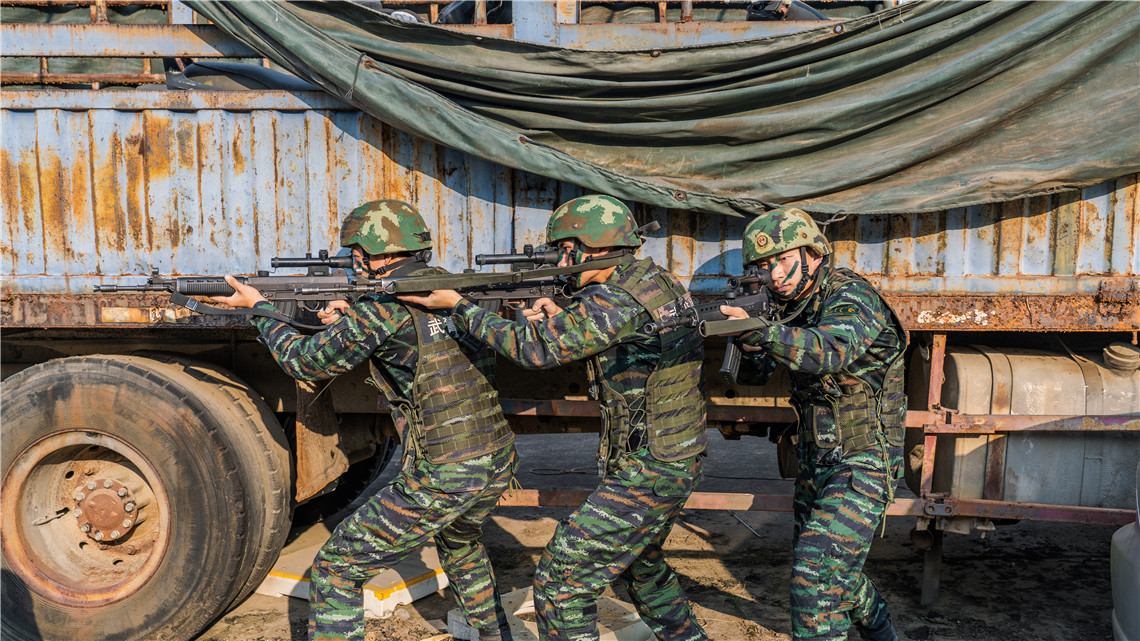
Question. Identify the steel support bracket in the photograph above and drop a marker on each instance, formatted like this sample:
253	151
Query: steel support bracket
933	508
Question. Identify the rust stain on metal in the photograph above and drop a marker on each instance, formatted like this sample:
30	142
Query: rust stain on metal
56	196
134	161
110	223
104	310
999	312
14	200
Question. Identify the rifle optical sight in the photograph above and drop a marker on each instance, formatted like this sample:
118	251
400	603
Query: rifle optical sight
530	256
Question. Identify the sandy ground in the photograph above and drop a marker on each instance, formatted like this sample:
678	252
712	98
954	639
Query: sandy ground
1023	582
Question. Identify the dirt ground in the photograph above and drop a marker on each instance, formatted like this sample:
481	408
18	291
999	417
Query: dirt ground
1023	582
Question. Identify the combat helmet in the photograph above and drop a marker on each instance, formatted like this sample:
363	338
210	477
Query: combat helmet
385	227
596	220
779	230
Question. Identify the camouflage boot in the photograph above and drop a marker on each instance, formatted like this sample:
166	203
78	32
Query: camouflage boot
502	629
879	629
495	634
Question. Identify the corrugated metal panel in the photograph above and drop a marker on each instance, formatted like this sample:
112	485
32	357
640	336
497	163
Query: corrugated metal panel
102	195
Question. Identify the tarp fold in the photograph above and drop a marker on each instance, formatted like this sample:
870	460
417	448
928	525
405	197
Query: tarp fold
926	106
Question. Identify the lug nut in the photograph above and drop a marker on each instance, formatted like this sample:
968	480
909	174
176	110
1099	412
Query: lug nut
108	483
122	491
98	536
86	527
90	485
79	496
78	513
115	534
130	507
126	523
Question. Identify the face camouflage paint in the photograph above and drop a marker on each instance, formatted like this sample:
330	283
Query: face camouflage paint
791	272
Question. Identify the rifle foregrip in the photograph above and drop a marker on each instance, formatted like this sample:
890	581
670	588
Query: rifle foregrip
204	287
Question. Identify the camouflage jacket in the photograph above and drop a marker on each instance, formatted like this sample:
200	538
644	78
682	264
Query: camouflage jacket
374	326
850	329
599	318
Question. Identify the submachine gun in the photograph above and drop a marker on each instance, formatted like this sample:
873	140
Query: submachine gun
294	307
748	292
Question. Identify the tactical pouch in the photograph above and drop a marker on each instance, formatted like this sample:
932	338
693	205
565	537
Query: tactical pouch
822	418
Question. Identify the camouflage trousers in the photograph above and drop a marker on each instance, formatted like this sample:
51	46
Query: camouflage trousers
617	534
446	502
837	509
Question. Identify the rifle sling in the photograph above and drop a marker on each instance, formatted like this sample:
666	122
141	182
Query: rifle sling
199	307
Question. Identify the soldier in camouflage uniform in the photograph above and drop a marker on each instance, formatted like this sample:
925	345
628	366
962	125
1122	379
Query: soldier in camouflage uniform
651	392
460	453
844	350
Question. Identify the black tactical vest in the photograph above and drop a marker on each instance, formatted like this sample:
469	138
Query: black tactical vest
843	410
454	412
670	409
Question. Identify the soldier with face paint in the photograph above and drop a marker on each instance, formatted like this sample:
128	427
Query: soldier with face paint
651	392
460	453
844	349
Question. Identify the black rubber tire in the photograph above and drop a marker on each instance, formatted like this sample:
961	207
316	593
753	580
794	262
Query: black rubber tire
109	414
263	453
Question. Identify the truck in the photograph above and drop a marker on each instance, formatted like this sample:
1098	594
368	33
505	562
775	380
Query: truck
154	459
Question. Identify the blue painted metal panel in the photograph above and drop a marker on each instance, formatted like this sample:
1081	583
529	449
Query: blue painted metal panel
23	251
199	191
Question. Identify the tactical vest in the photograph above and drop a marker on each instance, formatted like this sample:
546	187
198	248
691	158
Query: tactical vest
671	408
843	410
454	413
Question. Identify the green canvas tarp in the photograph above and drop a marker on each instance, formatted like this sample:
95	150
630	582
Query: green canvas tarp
925	106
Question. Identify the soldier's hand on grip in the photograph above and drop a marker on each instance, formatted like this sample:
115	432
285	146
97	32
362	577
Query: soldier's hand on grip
243	296
541	309
333	312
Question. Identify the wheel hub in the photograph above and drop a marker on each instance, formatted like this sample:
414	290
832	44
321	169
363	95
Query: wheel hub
105	509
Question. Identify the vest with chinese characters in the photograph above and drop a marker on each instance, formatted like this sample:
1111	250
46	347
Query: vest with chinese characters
453	413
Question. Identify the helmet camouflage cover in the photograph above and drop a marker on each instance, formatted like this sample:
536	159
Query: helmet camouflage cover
597	221
385	227
779	230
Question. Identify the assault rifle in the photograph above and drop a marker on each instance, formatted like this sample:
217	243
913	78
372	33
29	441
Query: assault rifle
533	275
489	290
283	291
748	292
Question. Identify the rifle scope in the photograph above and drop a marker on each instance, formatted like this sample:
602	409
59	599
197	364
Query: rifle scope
760	277
322	260
530	255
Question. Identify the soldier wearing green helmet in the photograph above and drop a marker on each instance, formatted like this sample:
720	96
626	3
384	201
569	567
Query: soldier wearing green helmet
651	391
843	346
455	466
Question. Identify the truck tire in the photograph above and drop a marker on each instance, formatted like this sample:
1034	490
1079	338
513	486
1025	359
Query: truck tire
91	439
263	456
